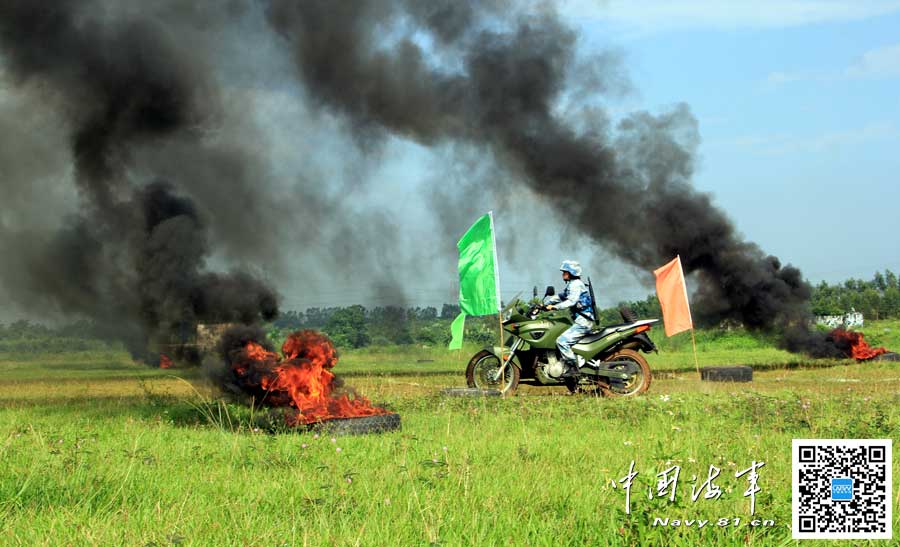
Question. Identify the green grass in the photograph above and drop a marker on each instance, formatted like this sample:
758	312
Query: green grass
99	451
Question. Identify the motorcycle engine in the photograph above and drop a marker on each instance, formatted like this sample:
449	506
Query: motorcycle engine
548	368
554	369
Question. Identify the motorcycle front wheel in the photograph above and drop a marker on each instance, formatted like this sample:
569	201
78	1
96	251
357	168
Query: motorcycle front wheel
482	364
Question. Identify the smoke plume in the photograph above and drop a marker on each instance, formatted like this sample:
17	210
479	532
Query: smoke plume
133	256
628	189
170	173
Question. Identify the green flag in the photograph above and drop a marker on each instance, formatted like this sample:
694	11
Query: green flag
456	331
479	284
479	281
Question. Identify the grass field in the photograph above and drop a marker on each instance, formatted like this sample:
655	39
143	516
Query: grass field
98	450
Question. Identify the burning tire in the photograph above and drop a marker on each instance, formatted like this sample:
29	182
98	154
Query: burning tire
280	420
298	387
359	426
726	374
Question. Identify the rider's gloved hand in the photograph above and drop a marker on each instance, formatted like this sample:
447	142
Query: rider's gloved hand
549	307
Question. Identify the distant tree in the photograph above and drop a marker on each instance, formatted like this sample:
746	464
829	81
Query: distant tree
891	304
412	313
390	323
879	282
890	279
427	314
435	332
81	328
854	285
26	329
314	317
347	327
871	303
482	330
449	311
421	314
646	308
609	316
825	300
318	317
290	320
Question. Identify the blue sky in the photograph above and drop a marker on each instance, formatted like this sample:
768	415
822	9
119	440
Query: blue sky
798	104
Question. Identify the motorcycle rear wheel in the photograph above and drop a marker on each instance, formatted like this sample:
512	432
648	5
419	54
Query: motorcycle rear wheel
613	387
485	362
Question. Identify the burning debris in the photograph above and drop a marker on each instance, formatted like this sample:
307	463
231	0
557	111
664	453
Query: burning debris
838	343
164	361
853	344
299	381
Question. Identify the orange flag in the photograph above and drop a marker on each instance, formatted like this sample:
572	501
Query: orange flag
672	294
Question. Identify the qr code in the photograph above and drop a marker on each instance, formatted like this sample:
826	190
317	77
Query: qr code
841	488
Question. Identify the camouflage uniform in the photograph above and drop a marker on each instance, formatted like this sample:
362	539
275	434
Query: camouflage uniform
574	295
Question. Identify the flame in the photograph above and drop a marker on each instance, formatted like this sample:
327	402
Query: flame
258	353
302	379
854	345
164	361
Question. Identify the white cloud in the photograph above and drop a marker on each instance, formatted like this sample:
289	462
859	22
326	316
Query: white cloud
882	62
878	63
775	79
656	15
785	144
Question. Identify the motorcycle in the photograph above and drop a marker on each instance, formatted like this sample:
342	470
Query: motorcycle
609	361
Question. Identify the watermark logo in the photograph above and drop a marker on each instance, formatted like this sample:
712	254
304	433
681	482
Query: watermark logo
842	489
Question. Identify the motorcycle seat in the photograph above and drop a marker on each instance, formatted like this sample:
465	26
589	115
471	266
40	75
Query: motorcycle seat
604	331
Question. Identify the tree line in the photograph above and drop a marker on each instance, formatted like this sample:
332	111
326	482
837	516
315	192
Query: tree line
28	337
357	326
878	298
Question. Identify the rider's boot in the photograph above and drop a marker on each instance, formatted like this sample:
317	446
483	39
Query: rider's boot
571	370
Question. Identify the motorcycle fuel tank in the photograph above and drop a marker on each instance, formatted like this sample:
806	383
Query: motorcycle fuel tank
541	334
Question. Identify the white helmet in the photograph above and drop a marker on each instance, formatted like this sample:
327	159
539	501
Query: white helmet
574	268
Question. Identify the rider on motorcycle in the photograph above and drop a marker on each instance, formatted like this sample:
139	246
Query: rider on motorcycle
576	296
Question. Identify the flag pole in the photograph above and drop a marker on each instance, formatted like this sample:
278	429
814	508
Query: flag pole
497	280
694	343
693	339
497	286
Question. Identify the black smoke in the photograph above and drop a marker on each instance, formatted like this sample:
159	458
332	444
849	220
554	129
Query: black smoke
139	94
799	338
133	258
628	189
